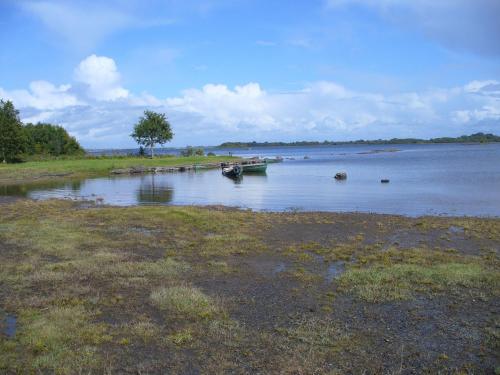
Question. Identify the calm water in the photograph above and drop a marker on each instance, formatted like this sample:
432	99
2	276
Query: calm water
424	179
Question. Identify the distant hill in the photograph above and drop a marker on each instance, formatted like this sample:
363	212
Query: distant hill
473	138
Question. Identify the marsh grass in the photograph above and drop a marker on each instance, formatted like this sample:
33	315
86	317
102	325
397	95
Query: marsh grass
401	281
185	301
227	332
308	344
182	338
144	329
60	339
66	269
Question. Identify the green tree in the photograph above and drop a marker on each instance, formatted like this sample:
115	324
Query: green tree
152	128
48	139
12	139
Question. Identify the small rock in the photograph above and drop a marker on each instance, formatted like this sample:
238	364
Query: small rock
341	176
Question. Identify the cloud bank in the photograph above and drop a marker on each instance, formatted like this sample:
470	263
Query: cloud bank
100	112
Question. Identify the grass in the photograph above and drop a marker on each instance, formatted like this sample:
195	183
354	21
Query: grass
60	339
396	275
185	301
400	281
91	167
151	289
182	337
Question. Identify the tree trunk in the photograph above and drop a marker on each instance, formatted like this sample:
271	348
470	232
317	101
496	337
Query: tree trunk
152	152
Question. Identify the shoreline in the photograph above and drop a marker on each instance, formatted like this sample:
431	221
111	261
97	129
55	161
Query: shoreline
53	170
5	199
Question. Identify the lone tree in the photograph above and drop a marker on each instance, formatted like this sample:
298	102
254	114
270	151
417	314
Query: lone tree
12	137
152	128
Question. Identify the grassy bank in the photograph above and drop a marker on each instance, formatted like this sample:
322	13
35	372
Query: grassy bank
90	167
193	290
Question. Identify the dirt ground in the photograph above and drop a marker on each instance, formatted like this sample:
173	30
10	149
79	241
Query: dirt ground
209	290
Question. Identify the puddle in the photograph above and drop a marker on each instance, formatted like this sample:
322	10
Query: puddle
455	229
318	258
334	270
280	267
9	325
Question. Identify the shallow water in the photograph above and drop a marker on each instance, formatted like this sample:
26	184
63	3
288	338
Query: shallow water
9	325
452	179
334	271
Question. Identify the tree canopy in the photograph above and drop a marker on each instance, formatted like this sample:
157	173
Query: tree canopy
18	140
153	128
12	137
48	139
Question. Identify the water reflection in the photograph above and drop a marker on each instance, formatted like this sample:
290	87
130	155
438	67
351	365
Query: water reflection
152	190
425	179
25	190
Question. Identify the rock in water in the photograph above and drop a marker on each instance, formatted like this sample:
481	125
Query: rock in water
341	176
384	181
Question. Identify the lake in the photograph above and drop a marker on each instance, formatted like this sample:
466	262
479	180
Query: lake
434	179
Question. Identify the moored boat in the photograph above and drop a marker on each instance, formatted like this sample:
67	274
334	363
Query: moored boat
254	168
233	171
277	159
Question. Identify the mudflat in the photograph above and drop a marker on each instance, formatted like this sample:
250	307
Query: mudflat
189	290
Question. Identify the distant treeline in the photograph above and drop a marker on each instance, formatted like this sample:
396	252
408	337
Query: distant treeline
19	141
473	138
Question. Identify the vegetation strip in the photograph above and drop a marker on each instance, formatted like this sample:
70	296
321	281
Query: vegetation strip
95	167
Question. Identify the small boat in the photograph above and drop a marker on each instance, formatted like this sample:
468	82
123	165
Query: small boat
233	171
273	160
254	168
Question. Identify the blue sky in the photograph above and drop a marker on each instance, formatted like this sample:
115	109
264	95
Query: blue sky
254	69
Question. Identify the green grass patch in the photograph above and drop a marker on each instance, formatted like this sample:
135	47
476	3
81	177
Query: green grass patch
401	281
185	301
88	167
60	340
181	338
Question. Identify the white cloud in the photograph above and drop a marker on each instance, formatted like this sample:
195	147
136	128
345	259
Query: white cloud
102	115
42	95
471	25
477	86
102	78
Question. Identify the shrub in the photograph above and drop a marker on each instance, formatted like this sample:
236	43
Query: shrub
191	151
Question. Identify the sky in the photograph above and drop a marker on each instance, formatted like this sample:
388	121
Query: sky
263	70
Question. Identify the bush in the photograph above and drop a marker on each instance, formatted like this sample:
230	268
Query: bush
191	151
